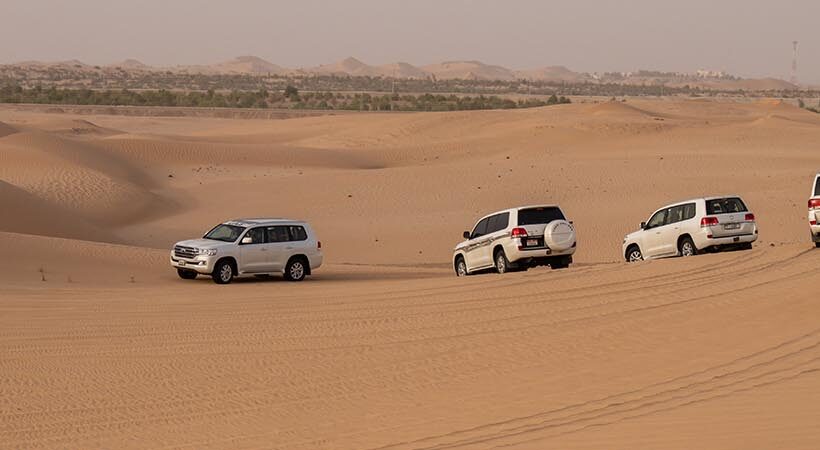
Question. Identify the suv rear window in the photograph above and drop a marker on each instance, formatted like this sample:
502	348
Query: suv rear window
817	187
534	216
725	206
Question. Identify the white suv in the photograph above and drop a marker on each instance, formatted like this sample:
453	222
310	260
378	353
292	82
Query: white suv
250	247
686	228
814	211
517	238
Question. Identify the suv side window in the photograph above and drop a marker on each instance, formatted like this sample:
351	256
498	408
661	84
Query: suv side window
675	215
297	233
480	229
659	219
688	211
257	235
817	186
278	234
498	222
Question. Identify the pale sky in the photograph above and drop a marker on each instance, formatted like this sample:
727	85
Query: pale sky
750	38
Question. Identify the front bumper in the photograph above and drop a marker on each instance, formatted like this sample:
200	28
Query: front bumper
200	264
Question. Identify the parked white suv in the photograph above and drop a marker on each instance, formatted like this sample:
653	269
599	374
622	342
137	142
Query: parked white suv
686	228
814	211
250	247
517	238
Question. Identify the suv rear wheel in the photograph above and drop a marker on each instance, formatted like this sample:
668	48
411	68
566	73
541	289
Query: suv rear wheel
687	247
502	265
296	270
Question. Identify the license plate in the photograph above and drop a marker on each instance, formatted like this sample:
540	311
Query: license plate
181	262
731	226
737	239
532	242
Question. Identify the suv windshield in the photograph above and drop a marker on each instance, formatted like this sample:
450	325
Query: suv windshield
534	216
225	233
725	206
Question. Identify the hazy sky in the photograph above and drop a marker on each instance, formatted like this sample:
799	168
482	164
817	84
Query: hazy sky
744	37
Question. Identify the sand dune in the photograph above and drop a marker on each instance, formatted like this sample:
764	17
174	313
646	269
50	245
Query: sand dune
6	130
384	348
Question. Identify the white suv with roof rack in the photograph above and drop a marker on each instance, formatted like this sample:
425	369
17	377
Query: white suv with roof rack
517	239
250	247
686	228
814	211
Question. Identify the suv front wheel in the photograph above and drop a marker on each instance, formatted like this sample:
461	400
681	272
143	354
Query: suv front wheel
223	272
461	267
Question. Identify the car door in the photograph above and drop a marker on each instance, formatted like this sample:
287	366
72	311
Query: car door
254	256
281	247
670	231
496	229
476	256
653	234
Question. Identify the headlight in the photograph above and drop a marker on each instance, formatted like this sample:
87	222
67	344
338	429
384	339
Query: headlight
207	251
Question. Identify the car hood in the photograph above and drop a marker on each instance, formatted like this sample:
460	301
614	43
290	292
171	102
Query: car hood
461	245
632	235
203	243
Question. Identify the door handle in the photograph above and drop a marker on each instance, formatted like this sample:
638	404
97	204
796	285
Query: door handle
263	249
288	248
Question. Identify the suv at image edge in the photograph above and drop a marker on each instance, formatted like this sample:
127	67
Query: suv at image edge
517	239
686	228
814	211
250	247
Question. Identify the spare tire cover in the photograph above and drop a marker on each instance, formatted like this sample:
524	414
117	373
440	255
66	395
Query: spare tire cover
559	235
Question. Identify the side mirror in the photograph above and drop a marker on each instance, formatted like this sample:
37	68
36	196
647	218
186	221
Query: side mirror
247	240
643	225
466	235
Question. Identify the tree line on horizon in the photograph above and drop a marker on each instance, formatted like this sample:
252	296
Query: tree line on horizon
116	79
288	98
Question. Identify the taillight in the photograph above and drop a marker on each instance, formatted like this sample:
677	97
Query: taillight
319	245
813	222
519	232
750	217
708	221
814	203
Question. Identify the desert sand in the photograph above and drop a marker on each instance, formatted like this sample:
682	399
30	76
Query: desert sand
102	346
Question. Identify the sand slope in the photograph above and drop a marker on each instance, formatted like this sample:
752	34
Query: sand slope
384	348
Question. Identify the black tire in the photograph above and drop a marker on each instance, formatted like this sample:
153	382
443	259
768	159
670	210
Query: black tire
502	264
461	267
186	274
223	272
633	254
560	264
817	244
746	246
687	247
296	269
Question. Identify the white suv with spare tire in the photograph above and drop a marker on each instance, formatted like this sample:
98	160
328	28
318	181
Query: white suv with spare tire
254	247
517	239
687	228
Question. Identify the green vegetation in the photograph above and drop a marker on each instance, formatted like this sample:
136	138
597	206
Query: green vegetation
289	98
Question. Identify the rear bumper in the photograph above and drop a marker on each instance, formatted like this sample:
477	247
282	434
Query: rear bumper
514	255
705	242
